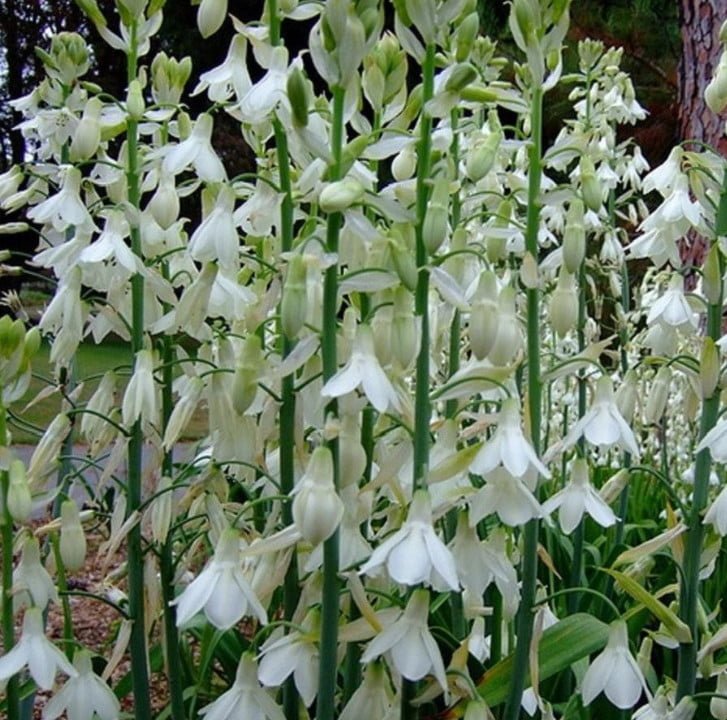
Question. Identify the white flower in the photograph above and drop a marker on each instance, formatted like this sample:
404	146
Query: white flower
506	495
373	698
140	395
216	237
221	589
85	696
716	441
409	643
260	100
672	308
231	76
245	698
32	585
614	672
414	554
34	649
508	446
603	425
577	497
111	244
295	653
65	208
363	369
717	513
197	151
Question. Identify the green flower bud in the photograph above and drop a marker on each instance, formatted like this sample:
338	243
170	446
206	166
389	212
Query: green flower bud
340	195
627	394
590	187
482	156
92	12
709	367
135	100
484	316
436	221
298	96
462	75
164	204
168	78
404	165
247	372
20	501
656	402
712	276
404	262
614	486
496	245
161	510
133	8
574	240
465	36
294	305
73	540
509	340
87	137
403	328
564	304
69	58
184	125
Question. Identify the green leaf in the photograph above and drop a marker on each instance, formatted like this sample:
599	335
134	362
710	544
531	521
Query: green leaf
678	629
562	644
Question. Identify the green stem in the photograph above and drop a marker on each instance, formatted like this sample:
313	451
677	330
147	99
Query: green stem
330	608
12	697
689	593
137	648
422	410
529	563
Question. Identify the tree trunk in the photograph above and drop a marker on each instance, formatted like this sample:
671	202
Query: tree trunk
700	21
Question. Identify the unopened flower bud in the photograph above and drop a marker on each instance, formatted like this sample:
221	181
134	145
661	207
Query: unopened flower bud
718	706
656	402
317	509
626	395
709	367
509	340
298	96
404	164
715	95
135	100
73	540
210	16
164	204
87	137
477	710
614	486
496	244
403	328
436	221
590	187
168	78
467	32
69	57
294	305
462	75
19	500
564	303
526	18
92	12
574	240
712	276
484	316
247	373
643	657
482	156
340	195
134	8
161	510
404	261
184	125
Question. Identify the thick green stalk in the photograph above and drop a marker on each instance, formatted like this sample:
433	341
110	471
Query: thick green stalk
689	591
330	608
529	562
6	534
139	668
422	409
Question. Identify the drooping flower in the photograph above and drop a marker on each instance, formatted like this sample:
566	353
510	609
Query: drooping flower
140	397
506	495
614	672
65	208
84	696
221	589
197	151
373	698
32	585
34	649
245	698
414	554
577	497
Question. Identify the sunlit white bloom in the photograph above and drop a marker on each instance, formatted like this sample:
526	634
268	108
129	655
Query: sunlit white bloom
678	212
84	696
673	309
716	515
414	554
32	585
259	101
221	589
716	441
216	237
295	653
245	698
34	649
603	424
578	497
506	495
508	446
260	212
614	672
142	33
197	151
409	643
363	369
664	177
65	208
111	244
373	698
231	76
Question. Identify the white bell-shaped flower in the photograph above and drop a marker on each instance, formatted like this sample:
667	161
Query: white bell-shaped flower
409	643
245	698
373	698
197	151
32	585
506	495
414	554
140	397
614	672
673	309
65	208
85	696
577	497
508	446
34	649
716	515
221	589
716	441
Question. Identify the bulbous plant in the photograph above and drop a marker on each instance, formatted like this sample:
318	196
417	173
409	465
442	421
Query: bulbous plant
411	327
